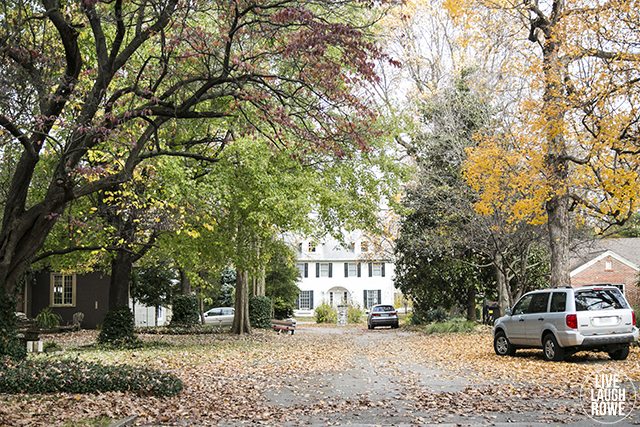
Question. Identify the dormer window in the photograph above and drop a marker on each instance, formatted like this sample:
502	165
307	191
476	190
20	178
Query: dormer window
364	246
312	246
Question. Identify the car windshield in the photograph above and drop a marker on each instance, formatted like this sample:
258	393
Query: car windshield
383	308
600	299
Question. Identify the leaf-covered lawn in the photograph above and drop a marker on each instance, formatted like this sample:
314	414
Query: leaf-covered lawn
326	375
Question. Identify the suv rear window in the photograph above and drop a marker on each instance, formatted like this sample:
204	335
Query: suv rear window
600	299
384	308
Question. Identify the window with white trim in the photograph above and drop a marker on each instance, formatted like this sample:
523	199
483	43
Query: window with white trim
376	269
608	266
372	297
324	269
353	269
63	290
301	268
305	300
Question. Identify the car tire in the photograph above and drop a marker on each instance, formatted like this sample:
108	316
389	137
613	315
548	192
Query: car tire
395	326
369	326
551	349
502	345
620	354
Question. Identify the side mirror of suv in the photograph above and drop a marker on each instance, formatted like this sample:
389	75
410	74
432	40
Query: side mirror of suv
508	312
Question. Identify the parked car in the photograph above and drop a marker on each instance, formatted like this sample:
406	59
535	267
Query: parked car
382	315
563	321
219	316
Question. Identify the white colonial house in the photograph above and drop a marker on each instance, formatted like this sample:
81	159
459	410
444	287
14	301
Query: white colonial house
357	272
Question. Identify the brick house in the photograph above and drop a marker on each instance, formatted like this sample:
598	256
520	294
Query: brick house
608	262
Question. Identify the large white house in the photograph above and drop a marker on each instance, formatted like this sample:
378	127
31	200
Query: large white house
357	272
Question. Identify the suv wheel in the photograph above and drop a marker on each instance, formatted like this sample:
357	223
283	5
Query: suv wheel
502	345
369	325
619	354
552	351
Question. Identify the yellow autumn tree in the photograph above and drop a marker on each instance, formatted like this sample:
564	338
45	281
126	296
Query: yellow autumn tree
572	141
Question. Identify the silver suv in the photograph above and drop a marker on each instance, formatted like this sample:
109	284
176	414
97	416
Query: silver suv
563	321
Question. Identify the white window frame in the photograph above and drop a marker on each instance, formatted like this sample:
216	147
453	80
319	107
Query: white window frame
376	269
372	298
66	281
608	265
300	267
352	269
304	300
324	269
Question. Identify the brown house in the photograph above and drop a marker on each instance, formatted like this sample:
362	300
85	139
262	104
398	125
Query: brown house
609	262
67	294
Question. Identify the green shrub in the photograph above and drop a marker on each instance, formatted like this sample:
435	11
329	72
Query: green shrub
326	314
117	329
282	309
76	376
436	315
10	345
453	326
260	312
185	310
47	319
354	314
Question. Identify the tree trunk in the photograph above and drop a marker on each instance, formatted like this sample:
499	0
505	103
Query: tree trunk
501	282
185	283
554	109
471	304
241	324
259	286
121	267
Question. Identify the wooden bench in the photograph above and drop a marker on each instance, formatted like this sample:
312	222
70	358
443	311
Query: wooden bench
287	325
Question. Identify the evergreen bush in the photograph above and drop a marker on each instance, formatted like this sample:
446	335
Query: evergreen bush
260	312
354	314
185	310
326	314
118	328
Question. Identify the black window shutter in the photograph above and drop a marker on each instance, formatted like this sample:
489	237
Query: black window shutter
383	269
306	269
330	269
379	297
359	270
317	269
364	299
311	300
370	269
346	269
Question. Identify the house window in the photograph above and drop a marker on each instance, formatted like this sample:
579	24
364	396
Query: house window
305	300
324	269
376	269
364	246
608	266
303	269
312	247
372	297
352	269
63	290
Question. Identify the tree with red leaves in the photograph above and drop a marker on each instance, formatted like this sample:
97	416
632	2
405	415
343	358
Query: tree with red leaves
91	89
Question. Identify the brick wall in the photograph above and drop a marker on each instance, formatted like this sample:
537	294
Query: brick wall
620	273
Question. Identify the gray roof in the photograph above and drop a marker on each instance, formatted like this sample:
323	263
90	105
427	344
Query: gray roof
628	248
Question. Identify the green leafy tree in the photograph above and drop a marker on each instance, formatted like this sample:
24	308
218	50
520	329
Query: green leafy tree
281	281
446	252
154	286
92	90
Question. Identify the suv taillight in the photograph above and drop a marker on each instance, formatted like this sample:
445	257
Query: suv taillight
572	321
633	318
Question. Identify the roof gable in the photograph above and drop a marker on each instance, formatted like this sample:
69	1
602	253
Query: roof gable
600	257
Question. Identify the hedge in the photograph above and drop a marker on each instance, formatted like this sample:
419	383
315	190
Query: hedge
77	376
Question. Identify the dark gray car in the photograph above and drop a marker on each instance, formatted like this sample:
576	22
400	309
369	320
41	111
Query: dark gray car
382	315
563	321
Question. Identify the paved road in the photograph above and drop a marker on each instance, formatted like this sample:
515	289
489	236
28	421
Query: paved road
386	384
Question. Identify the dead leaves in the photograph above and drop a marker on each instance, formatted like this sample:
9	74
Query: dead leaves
324	376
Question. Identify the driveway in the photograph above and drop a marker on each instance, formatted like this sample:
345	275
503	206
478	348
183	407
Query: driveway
327	375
